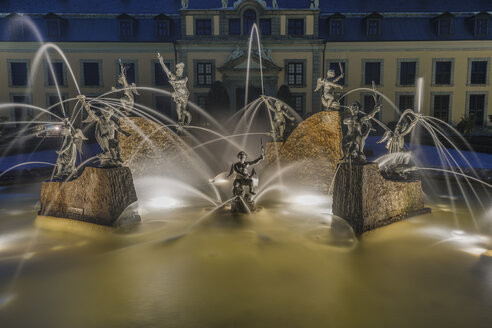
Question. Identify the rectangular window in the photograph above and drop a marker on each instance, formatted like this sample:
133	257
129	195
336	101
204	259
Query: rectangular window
126	28
408	73
443	72
481	26
266	26
476	108
204	74
201	100
441	107
336	67
162	29
298	101
57	110
160	77
405	102
372	73
91	74
234	26
296	26
478	72
295	74
373	26
130	72
203	27
22	113
369	104
18	74
445	27
53	28
336	27
57	72
163	105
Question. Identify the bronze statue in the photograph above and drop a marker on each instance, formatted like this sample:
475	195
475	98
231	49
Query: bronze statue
106	129
242	176
329	84
67	155
129	91
278	122
181	92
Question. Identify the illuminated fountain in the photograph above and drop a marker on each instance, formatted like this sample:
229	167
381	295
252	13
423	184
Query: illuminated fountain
292	241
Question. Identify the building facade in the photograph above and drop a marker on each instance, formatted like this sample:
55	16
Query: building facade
393	43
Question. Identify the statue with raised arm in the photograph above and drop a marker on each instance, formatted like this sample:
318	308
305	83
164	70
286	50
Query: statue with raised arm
129	90
279	116
184	4
329	84
106	130
242	176
358	128
71	146
225	4
181	92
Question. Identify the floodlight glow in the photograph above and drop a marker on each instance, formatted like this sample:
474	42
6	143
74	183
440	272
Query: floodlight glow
309	200
163	202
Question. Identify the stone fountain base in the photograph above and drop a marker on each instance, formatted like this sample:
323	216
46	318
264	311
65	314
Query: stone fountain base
98	195
367	200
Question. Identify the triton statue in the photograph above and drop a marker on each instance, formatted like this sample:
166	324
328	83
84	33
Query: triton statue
128	99
106	129
329	85
67	155
278	122
243	201
181	92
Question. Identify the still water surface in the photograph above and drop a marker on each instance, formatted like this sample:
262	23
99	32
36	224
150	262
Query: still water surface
284	267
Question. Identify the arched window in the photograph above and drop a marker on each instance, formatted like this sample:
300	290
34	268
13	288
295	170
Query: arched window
249	18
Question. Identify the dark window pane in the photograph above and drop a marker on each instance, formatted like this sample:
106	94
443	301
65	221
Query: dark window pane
296	26
373	27
476	108
249	18
478	72
295	74
204	74
405	102
443	72
407	73
160	78
234	26
57	110
126	28
481	26
53	28
162	28
203	27
441	107
336	27
372	73
18	73
369	104
58	72
91	74
299	104
163	105
130	72
22	113
444	27
266	26
336	67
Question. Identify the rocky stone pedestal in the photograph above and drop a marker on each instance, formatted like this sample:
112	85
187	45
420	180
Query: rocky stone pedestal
98	195
243	204
367	200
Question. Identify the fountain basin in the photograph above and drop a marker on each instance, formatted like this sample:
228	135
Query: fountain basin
98	195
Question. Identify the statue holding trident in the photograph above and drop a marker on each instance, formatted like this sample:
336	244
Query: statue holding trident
278	123
106	130
329	84
129	90
67	155
181	92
